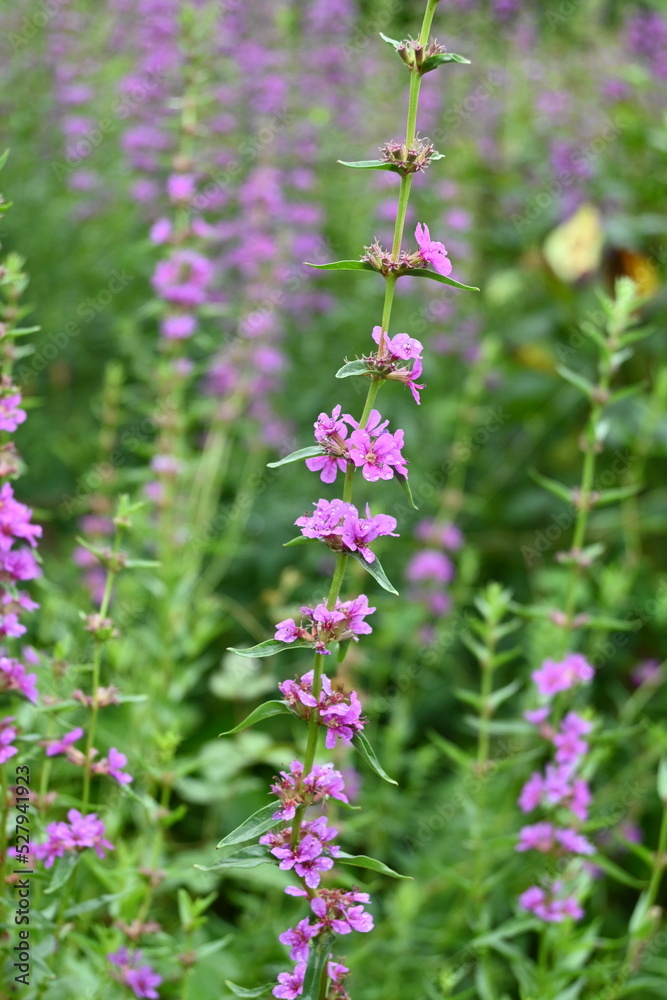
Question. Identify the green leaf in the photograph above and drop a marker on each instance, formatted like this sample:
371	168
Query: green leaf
558	489
575	379
422	272
503	693
662	779
344	265
3	158
405	486
253	827
264	711
310	452
376	571
247	857
450	750
620	493
239	991
62	870
353	368
469	697
613	624
442	57
361	861
369	164
299	540
269	648
618	873
390	41
361	744
320	951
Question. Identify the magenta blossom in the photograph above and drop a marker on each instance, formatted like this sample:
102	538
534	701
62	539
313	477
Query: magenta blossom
63	745
290	984
340	712
295	789
298	939
432	252
553	676
7	736
325	625
339	526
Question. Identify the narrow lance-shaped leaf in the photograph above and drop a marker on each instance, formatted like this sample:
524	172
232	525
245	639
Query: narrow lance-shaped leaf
368	164
343	265
353	368
405	486
361	744
361	861
299	540
574	378
558	489
247	857
440	58
269	648
265	711
239	991
376	571
253	827
422	272
310	452
391	41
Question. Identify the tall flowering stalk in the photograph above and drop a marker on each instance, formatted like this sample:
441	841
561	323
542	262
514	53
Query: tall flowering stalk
344	445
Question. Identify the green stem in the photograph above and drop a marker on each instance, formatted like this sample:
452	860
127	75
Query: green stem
660	861
97	663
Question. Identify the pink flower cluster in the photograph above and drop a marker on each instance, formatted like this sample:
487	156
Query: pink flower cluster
430	570
111	765
7	735
337	523
141	978
373	450
559	787
345	621
291	983
340	712
313	854
295	788
394	350
79	833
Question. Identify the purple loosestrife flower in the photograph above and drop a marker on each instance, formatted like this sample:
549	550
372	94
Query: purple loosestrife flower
432	252
391	350
298	939
296	789
290	983
553	677
63	745
377	457
343	622
338	524
7	736
79	833
331	433
342	912
10	413
112	766
183	279
339	712
13	677
312	855
141	978
549	907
